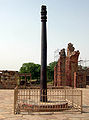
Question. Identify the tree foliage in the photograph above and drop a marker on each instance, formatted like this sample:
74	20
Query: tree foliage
34	69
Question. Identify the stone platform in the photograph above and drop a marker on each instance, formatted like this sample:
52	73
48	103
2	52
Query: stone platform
44	106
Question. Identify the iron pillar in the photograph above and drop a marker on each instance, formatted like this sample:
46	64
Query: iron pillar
43	80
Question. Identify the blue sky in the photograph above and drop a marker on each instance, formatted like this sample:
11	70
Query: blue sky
20	29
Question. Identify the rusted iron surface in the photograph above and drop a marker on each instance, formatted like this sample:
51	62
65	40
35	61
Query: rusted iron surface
43	81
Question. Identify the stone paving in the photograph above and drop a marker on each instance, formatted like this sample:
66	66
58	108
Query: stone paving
7	109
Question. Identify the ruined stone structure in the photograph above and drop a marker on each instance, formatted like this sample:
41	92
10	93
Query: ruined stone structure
23	79
87	76
67	65
71	65
59	70
11	79
8	79
81	78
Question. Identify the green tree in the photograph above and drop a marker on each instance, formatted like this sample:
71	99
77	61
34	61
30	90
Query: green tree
32	68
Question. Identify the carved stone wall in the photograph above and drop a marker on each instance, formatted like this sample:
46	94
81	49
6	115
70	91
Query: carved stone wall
8	79
67	65
71	64
59	70
80	79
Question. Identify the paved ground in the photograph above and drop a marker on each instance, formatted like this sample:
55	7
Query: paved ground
6	109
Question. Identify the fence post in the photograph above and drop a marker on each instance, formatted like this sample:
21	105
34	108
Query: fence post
72	98
65	94
81	101
15	90
15	98
14	101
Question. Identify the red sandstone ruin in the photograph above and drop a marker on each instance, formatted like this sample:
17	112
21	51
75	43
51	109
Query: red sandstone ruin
66	71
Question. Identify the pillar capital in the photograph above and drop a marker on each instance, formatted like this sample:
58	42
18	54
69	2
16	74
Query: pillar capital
43	14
